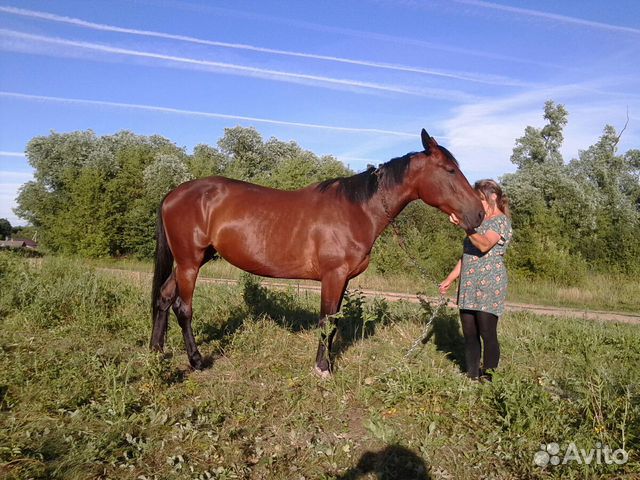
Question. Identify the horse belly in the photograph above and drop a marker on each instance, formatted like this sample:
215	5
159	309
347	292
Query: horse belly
270	247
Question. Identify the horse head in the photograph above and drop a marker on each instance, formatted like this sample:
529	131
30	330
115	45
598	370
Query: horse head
441	184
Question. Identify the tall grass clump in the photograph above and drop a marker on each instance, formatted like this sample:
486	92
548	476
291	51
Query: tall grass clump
57	290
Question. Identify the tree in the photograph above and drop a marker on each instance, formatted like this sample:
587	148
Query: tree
206	161
5	228
542	146
550	208
570	216
612	182
85	189
243	148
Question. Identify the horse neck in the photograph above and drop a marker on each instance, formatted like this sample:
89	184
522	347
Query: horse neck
388	203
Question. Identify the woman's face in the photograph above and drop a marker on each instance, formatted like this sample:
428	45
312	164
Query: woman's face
488	207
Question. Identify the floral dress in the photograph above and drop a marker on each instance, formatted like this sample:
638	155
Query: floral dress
483	276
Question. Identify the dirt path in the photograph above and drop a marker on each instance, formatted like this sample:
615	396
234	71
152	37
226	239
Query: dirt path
620	317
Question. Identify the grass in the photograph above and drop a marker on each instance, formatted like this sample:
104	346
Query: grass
598	291
82	396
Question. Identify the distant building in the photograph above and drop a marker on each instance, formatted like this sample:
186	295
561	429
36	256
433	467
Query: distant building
16	243
28	243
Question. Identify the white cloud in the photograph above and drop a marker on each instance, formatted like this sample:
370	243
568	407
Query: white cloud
196	113
482	134
552	17
41	44
465	76
10	177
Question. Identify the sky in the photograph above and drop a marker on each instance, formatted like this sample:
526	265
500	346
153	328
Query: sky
357	79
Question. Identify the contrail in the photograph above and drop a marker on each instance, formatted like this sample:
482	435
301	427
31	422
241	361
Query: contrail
246	70
196	113
549	16
485	79
12	154
405	41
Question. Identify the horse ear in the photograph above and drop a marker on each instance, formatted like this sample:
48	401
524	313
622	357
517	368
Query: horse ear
427	141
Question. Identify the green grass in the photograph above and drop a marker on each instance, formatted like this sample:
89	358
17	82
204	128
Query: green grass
82	396
598	291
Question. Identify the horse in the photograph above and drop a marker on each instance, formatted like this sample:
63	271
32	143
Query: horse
323	232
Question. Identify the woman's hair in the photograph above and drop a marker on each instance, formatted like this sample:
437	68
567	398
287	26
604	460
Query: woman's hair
486	188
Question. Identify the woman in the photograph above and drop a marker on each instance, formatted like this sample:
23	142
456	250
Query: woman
483	280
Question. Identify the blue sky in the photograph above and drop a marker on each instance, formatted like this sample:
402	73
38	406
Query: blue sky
355	79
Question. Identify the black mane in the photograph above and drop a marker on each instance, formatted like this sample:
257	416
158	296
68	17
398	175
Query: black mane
449	155
361	187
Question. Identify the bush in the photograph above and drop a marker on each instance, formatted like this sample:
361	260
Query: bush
536	257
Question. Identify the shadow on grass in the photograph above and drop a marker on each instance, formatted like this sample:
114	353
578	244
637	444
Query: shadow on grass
394	462
285	309
448	338
282	306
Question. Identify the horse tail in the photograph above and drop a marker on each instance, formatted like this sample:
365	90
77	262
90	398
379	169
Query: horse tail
163	264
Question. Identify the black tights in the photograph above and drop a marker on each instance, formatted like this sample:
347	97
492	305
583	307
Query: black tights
478	325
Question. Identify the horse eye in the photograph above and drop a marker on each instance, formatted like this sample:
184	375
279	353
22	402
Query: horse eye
452	171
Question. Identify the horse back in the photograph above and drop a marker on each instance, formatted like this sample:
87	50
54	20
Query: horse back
270	232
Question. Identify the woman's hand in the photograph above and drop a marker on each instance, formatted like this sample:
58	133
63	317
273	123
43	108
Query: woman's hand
456	221
444	286
446	283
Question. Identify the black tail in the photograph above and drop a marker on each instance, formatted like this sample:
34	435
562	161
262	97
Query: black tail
163	264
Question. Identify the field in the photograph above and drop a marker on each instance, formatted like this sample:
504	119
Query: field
598	291
82	396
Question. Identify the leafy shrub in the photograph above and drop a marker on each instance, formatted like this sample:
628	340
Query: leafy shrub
537	257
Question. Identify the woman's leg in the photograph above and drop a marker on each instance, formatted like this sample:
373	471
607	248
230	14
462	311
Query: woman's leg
488	330
471	342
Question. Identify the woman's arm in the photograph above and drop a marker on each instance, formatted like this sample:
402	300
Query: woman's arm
483	242
455	273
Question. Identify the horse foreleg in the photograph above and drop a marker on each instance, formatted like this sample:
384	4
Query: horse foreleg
333	287
186	281
168	295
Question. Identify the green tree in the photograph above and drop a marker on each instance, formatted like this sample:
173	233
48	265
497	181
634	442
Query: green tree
550	208
570	216
5	228
206	161
85	190
294	167
612	182
542	146
243	148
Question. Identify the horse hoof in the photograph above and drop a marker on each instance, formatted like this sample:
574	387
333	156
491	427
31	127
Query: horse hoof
197	363
322	374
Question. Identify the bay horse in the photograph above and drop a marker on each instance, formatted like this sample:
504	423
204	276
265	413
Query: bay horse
322	232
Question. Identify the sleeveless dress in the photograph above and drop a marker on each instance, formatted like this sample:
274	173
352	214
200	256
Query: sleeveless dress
483	276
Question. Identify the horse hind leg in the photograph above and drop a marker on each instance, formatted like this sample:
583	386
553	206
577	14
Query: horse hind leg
168	294
186	280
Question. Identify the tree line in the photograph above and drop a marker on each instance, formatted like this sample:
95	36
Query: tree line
98	196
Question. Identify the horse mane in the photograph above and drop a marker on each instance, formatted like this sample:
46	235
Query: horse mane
449	155
361	187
